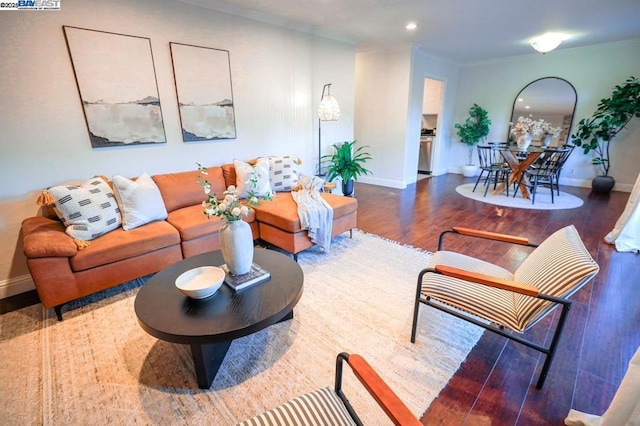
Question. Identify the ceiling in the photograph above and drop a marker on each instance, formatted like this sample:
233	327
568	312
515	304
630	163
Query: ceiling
462	31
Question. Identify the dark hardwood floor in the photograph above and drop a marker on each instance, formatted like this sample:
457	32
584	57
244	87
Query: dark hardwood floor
496	383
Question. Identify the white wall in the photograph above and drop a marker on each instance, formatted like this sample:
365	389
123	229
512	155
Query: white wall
593	71
389	100
382	82
277	77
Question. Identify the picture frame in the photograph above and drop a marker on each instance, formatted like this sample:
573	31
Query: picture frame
205	93
116	80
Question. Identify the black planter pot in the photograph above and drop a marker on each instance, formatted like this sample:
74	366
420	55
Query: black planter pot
347	188
602	184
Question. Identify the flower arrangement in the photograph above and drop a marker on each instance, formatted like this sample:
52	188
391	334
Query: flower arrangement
527	125
229	207
548	130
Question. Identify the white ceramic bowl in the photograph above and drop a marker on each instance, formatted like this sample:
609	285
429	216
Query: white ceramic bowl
200	283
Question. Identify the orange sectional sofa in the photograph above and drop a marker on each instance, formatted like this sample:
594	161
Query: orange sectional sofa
61	272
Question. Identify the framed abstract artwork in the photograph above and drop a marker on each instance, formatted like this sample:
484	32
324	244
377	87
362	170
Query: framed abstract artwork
117	83
203	88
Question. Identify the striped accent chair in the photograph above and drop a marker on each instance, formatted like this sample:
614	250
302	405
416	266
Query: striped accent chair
504	302
328	406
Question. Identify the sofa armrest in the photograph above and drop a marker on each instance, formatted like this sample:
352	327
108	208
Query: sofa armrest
44	237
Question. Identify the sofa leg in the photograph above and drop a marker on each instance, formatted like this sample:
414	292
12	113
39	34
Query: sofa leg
58	310
351	233
295	257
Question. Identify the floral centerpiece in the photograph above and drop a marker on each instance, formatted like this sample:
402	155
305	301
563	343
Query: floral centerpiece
230	206
548	130
526	125
236	237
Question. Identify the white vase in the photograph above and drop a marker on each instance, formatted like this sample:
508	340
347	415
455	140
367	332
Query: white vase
236	244
546	141
524	140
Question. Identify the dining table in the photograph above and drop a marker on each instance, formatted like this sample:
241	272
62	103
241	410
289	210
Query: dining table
519	160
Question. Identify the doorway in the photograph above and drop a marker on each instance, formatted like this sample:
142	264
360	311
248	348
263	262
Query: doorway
431	111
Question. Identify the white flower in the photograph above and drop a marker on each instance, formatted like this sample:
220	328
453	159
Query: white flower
236	211
222	207
229	199
207	188
253	200
244	210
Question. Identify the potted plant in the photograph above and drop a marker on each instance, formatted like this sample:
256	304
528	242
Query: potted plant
347	163
597	132
474	129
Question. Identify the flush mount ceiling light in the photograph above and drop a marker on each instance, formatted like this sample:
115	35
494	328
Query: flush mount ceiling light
548	41
411	26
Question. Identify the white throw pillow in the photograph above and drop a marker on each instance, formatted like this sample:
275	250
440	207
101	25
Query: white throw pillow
283	172
245	172
140	201
88	210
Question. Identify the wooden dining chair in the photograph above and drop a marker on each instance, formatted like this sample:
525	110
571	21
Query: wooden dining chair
330	407
503	302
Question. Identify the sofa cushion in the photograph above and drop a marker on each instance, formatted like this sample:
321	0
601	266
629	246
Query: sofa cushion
192	223
259	173
282	212
120	244
88	210
182	189
140	201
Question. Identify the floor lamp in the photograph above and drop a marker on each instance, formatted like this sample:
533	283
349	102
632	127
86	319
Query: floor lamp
328	110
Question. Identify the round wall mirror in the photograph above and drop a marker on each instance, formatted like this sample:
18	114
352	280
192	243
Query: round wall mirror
552	99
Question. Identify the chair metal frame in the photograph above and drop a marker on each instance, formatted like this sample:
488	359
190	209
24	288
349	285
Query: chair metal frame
499	329
545	171
497	171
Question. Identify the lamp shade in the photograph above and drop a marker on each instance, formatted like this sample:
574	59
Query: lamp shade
328	110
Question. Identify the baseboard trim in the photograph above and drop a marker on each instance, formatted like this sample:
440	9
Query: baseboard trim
16	285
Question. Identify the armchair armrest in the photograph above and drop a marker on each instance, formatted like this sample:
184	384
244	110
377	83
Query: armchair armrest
379	390
494	236
488	280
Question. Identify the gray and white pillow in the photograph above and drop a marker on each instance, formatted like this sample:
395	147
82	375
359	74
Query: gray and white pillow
283	172
88	210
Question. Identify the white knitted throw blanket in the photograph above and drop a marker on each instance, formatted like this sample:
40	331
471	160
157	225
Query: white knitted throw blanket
316	215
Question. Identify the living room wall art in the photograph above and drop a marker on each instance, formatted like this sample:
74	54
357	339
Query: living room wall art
117	83
203	88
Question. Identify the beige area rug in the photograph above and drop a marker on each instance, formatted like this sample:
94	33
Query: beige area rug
543	198
99	367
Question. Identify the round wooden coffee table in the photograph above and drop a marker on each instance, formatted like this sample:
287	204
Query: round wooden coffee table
210	325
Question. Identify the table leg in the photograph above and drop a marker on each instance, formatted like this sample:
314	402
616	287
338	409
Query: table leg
207	360
517	169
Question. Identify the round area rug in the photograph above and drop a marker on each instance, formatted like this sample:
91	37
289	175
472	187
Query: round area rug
543	198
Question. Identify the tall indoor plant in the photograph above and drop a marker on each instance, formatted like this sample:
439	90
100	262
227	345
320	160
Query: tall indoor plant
473	130
347	162
597	132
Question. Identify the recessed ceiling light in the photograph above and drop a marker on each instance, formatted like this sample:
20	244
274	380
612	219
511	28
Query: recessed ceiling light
527	106
520	99
411	26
